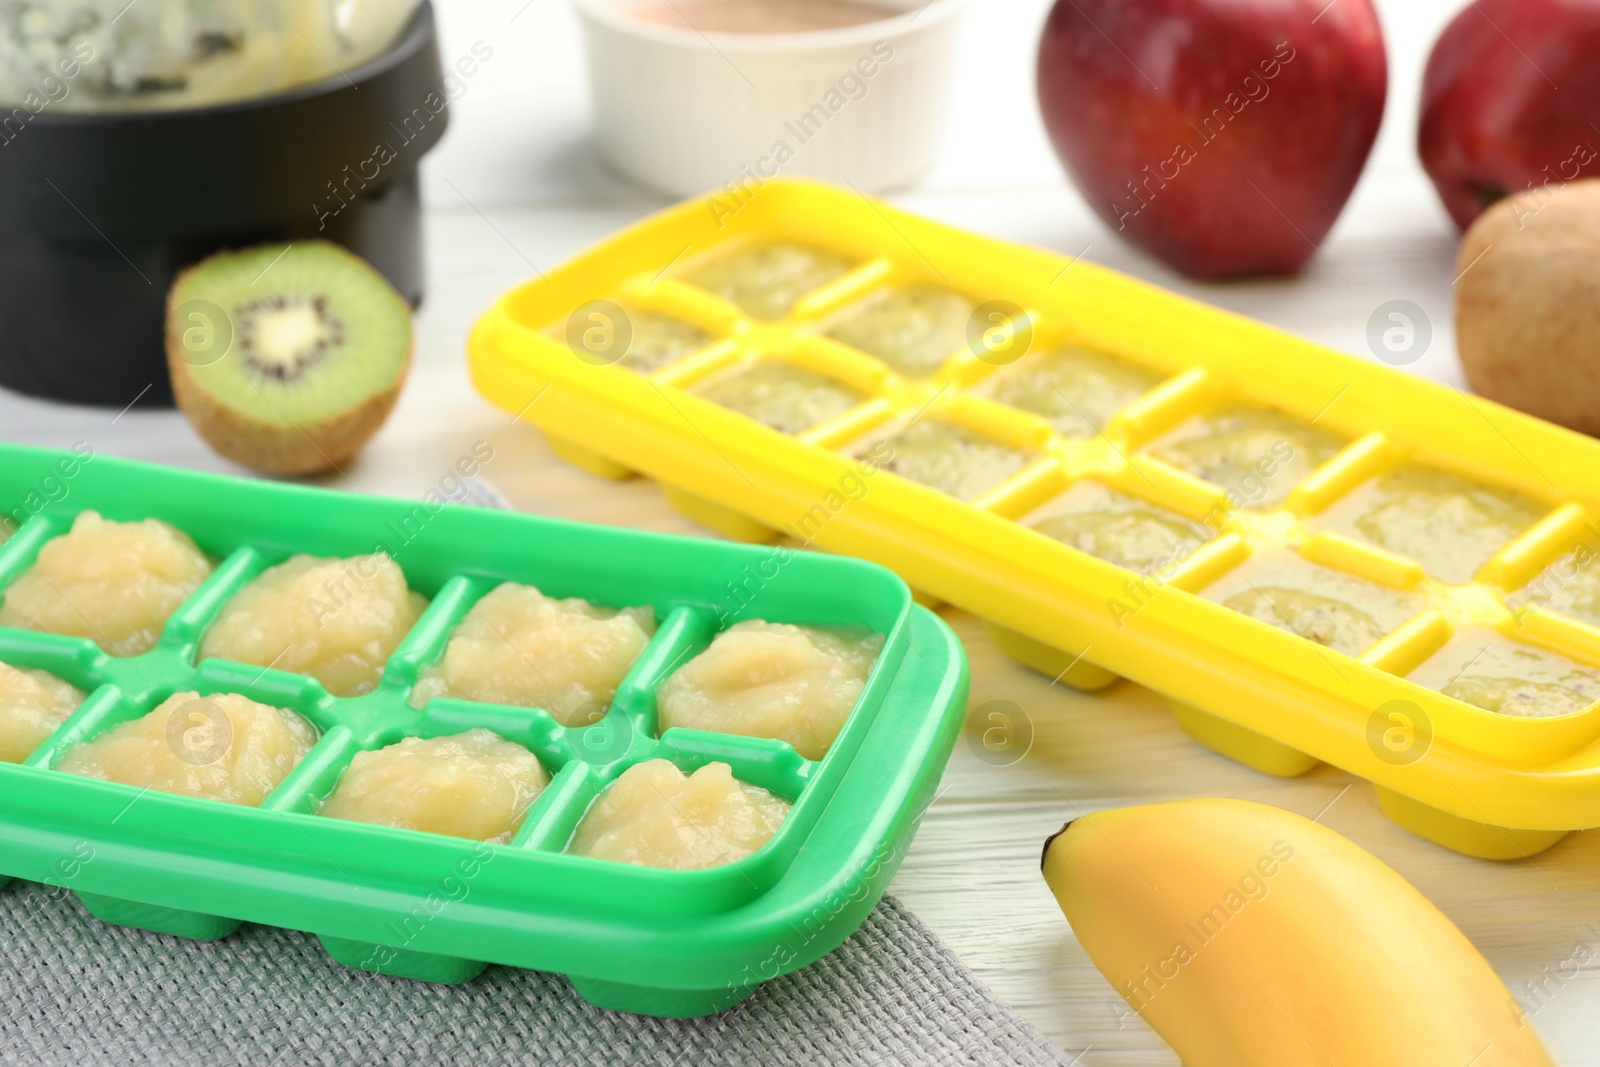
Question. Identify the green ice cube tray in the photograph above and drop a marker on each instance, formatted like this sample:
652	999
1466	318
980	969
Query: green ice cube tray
656	942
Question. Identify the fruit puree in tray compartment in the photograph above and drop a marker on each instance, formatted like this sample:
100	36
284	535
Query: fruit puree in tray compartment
779	394
1448	523
1333	608
1256	452
1118	528
765	280
32	705
1570	586
762	679
1485	668
313	725
1078	389
656	816
223	747
656	340
475	785
115	583
913	328
338	620
1127	483
518	646
954	459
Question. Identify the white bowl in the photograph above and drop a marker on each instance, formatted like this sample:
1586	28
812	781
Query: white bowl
686	113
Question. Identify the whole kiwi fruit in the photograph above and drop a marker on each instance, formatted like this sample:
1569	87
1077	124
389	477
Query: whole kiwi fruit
287	358
1528	303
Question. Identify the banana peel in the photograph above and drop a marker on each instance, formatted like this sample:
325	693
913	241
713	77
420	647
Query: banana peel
1248	936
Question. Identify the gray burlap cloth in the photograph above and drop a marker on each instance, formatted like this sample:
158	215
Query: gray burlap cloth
73	990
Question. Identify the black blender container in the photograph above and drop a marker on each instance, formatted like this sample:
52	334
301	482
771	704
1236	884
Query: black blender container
98	212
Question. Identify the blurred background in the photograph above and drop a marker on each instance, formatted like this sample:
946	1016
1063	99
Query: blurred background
521	137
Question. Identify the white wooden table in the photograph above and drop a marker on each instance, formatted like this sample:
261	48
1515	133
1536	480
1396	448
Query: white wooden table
516	186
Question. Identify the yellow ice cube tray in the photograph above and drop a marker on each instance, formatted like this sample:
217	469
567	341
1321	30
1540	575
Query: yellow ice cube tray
1260	683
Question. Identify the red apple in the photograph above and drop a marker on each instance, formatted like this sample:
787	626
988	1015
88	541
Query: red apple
1511	101
1224	136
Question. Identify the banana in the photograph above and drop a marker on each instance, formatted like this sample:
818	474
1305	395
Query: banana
1248	936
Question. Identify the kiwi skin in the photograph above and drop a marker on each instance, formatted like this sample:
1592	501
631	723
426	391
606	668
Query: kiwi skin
1528	304
291	450
287	450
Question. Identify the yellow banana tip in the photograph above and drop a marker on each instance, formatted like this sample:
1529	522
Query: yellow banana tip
1051	840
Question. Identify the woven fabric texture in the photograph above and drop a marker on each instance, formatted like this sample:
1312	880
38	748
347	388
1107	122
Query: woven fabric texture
73	990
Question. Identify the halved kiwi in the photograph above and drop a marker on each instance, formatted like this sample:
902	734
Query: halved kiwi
287	358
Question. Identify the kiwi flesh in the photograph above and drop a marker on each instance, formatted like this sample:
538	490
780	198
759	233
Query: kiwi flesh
287	358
